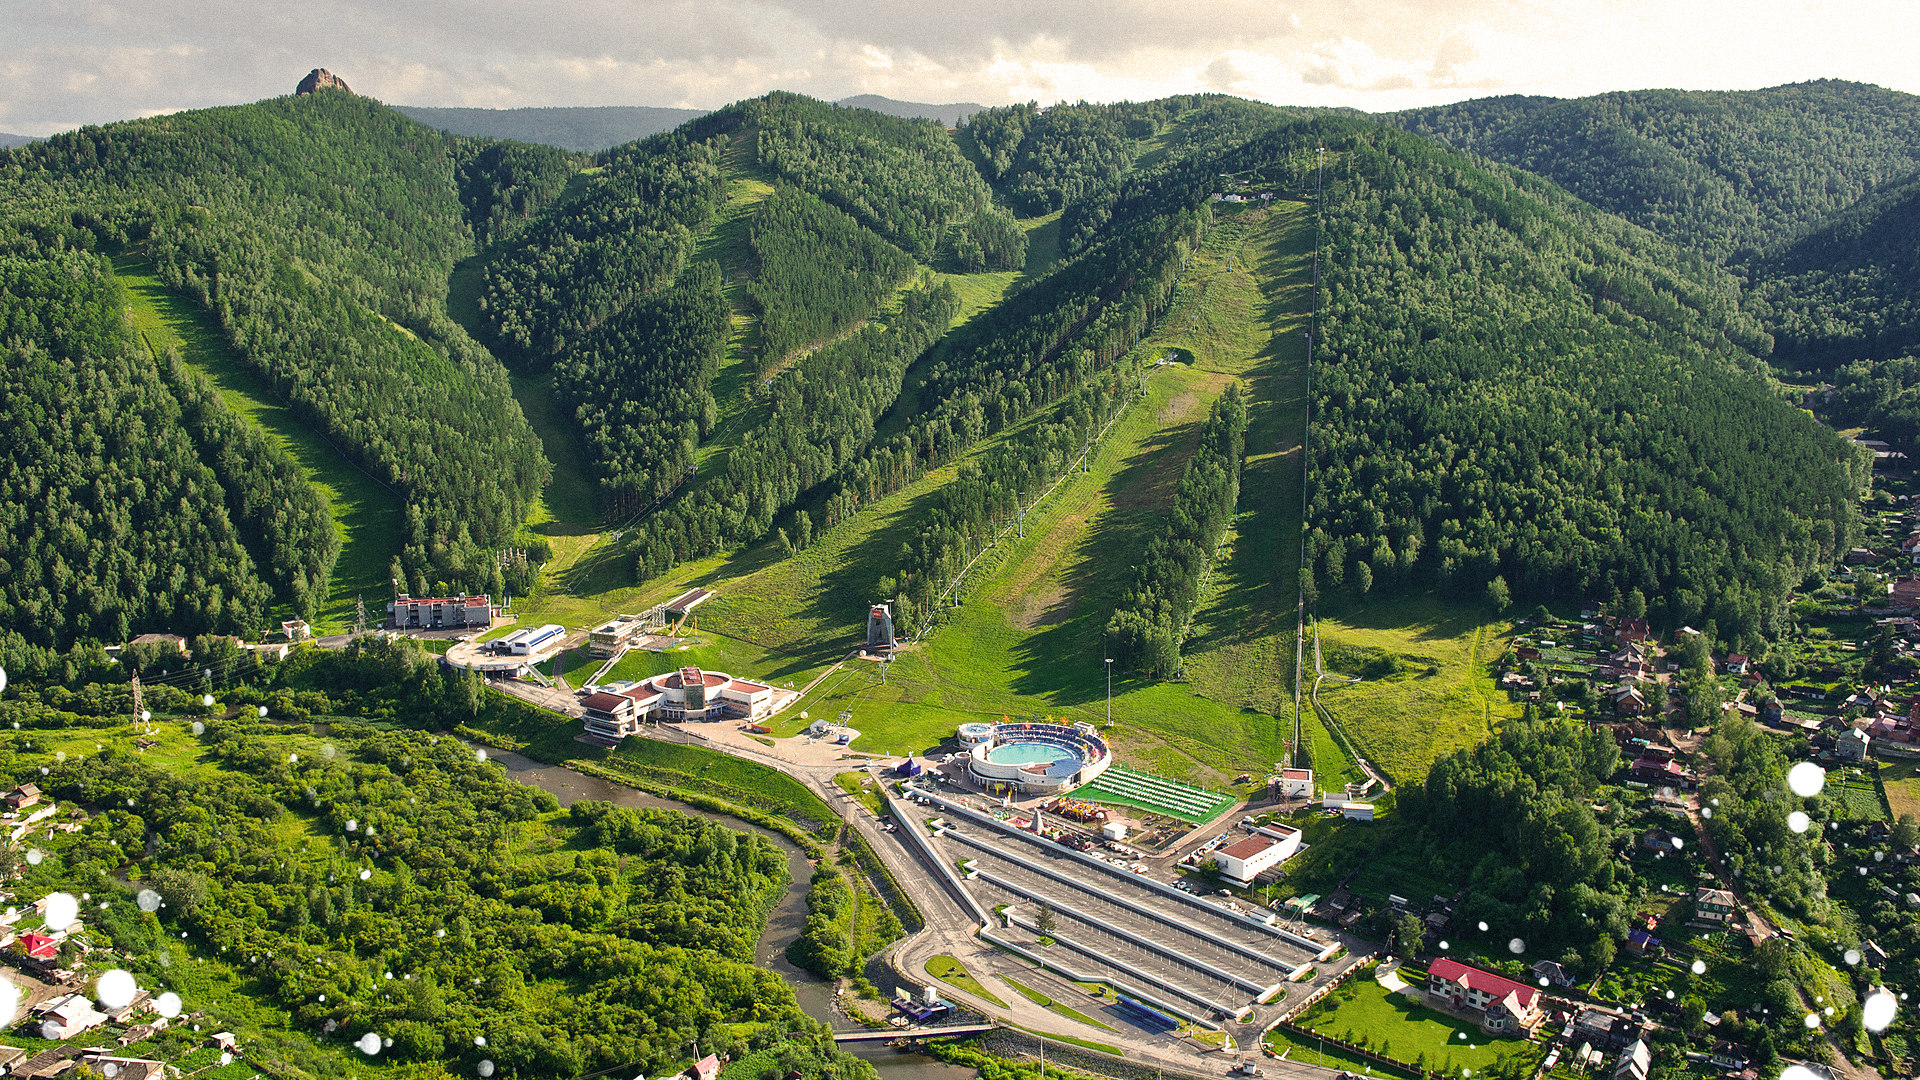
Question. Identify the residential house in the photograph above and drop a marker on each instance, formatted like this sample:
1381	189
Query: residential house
68	1015
1628	701
172	641
1772	712
1553	973
1602	1030
1505	1006
1897	730
124	1068
1635	1063
1852	745
1643	943
1714	905
46	1064
1661	840
1631	630
1874	955
1654	772
707	1068
1729	1056
21	797
9	1055
1736	664
39	947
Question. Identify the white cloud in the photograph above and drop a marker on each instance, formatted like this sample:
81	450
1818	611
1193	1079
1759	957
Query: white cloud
75	61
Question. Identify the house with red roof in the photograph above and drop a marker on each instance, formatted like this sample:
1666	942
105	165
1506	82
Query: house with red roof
39	947
1505	1006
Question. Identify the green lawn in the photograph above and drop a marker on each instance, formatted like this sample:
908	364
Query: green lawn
366	514
1364	1013
948	969
1441	699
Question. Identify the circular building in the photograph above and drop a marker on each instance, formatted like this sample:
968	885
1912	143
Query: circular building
1038	759
972	735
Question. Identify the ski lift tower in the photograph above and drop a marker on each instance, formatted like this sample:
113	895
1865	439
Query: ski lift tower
880	627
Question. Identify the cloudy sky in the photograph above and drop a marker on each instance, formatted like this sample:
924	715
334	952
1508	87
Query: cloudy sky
71	62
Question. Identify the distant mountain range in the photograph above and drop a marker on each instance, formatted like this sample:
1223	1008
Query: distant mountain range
950	115
584	128
8	141
592	128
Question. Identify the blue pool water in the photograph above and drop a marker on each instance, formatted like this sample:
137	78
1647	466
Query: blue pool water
1026	754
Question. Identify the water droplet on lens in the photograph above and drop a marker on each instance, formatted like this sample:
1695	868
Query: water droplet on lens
1443	945
36	857
1876	1013
1852	957
1699	967
147	900
486	1068
1798	821
167	1004
365	874
1516	946
115	989
61	910
480	755
1806	779
479	1040
199	728
369	1043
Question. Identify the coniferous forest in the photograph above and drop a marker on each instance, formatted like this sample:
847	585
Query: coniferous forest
1557	351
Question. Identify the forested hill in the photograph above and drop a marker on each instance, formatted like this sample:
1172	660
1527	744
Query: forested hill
829	212
1851	289
1516	395
320	231
1729	174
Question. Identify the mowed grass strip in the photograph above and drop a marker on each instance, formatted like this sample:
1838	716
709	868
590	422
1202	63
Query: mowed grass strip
366	515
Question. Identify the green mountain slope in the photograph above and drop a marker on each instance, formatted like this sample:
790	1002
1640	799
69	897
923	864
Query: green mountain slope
320	231
1728	174
1851	289
1510	385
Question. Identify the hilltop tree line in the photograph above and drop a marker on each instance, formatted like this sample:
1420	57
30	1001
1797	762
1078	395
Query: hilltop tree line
1807	191
1039	160
1509	385
1147	628
320	232
626	233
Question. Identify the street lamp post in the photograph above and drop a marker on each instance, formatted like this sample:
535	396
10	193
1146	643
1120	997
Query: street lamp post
1109	691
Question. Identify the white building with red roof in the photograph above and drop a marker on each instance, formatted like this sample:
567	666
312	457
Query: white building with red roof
1296	783
1505	1005
617	711
1244	860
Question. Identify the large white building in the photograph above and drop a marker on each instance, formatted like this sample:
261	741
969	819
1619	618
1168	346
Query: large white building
1247	859
1037	758
617	711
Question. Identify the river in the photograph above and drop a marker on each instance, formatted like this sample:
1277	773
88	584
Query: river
788	918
